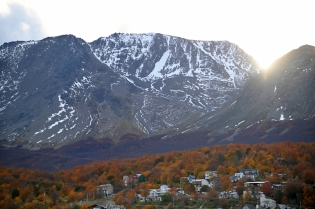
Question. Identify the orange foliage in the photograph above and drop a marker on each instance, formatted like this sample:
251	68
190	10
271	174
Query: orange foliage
298	161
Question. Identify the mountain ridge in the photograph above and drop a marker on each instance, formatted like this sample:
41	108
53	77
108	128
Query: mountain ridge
113	86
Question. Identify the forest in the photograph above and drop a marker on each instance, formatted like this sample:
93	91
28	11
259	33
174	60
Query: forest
291	164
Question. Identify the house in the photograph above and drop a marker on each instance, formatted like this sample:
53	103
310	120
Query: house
252	177
267	203
229	194
115	207
277	186
155	194
97	206
105	190
237	177
138	178
200	182
126	180
233	179
249	206
101	206
190	177
255	184
253	188
253	172
210	174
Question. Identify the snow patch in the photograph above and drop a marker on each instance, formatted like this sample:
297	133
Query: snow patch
281	117
240	123
156	73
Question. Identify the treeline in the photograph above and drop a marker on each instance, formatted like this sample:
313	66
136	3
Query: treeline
294	162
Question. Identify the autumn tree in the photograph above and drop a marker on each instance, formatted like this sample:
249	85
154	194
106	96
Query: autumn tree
7	203
189	188
131	196
266	188
246	196
293	190
308	196
27	193
225	182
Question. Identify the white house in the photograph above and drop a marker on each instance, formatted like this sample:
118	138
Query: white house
105	189
237	177
267	203
126	180
155	194
201	182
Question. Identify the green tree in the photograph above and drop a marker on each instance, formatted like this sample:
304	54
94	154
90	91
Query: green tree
204	188
141	178
165	198
15	193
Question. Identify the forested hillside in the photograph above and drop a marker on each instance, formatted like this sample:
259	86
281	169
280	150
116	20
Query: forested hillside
292	163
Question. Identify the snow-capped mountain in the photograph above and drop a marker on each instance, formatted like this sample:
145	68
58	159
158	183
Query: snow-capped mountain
61	89
203	74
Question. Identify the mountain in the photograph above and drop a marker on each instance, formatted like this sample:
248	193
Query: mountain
273	103
60	90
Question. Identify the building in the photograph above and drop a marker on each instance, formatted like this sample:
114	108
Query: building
229	194
237	177
100	206
126	180
105	190
253	188
253	172
155	194
267	203
191	177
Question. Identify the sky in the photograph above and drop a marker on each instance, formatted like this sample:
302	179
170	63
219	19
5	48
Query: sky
264	29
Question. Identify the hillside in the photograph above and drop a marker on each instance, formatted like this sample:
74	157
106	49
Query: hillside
292	163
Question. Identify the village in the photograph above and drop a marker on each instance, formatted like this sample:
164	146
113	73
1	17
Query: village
262	176
260	194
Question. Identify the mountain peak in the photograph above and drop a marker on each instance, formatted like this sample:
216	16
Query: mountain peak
305	50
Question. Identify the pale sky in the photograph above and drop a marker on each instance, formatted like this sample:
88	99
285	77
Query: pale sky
264	29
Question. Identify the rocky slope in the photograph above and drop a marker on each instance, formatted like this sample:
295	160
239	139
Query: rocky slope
61	89
283	93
